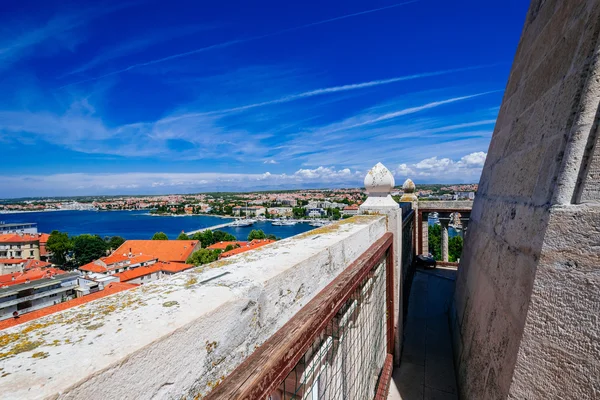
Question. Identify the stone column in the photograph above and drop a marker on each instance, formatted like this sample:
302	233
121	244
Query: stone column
425	233
444	221
464	221
379	183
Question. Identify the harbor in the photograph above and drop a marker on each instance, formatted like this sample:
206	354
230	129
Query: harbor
247	222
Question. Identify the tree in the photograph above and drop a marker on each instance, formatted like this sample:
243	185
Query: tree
183	236
336	214
87	248
267	214
160	236
220	236
455	246
231	247
203	256
298	212
59	245
256	234
435	241
115	241
273	237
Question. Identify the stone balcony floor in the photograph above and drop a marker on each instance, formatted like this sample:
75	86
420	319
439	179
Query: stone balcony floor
426	370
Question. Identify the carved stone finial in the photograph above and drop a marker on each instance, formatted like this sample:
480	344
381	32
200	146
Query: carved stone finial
379	180
408	186
409	192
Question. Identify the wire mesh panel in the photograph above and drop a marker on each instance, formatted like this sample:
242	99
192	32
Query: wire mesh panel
346	358
335	347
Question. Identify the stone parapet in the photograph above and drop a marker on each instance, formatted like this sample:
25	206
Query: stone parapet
178	337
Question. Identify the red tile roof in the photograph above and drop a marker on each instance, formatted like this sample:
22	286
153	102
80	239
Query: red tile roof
150	269
30	275
223	245
256	243
37	264
105	264
111	288
12	260
164	250
174	267
15	238
352	207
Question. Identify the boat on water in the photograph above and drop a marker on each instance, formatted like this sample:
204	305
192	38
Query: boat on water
242	222
283	222
318	224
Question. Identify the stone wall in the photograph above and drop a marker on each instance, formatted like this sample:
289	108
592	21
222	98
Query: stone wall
527	296
178	337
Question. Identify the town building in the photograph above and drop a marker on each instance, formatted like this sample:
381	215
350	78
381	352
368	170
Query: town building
350	210
163	250
150	273
21	227
254	244
116	263
253	211
10	265
281	211
223	245
315	212
111	288
36	294
14	245
464	196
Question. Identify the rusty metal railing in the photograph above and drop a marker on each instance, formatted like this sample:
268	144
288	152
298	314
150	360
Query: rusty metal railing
335	347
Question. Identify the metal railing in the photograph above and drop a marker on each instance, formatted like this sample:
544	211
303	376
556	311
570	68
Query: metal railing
335	347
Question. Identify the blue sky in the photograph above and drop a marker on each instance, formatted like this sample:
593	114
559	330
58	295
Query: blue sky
187	96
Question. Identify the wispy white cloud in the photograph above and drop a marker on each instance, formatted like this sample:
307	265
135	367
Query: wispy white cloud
271	161
466	169
133	46
149	182
434	169
25	39
348	124
235	42
356	122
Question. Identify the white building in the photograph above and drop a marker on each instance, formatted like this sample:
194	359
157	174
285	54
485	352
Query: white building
23	227
350	210
248	211
32	296
315	212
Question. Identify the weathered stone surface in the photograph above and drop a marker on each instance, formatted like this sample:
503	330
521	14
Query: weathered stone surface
525	313
130	346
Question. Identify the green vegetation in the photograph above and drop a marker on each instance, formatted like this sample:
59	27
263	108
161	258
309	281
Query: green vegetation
73	252
455	247
183	236
435	241
114	242
160	236
231	247
59	245
455	244
209	237
87	248
203	256
334	213
256	234
298	212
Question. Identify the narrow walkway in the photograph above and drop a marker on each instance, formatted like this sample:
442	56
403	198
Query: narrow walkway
426	370
212	228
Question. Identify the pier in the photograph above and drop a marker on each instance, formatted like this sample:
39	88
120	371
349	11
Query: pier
211	228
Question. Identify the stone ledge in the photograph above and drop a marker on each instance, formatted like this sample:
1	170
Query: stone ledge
178	337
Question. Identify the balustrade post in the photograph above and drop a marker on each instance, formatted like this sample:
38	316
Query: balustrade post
444	221
379	183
